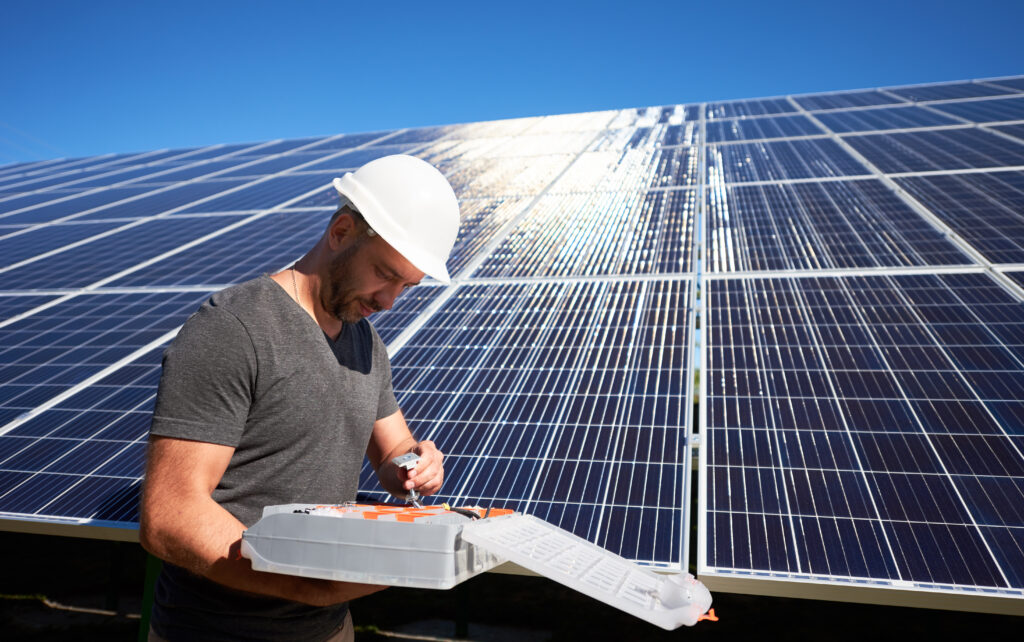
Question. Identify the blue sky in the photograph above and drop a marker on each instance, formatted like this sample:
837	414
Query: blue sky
85	78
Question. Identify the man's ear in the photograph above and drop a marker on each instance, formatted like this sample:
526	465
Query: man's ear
341	230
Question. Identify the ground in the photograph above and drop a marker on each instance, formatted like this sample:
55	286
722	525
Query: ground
107	576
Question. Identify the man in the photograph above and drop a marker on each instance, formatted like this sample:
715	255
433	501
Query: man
271	394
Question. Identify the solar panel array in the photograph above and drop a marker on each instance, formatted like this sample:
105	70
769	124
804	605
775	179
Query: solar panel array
854	260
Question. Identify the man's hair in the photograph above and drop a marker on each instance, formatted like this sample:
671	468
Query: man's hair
354	213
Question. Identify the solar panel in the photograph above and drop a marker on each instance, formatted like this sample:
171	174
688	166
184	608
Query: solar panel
865	432
985	111
937	150
781	160
986	209
757	128
948	90
1010	83
845	99
564	400
861	374
882	118
807	226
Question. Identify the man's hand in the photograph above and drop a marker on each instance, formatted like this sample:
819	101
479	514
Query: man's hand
390	438
428	475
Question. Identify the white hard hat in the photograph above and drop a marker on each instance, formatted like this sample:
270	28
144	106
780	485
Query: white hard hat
410	205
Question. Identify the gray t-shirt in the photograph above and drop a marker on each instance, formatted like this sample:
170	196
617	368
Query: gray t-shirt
252	370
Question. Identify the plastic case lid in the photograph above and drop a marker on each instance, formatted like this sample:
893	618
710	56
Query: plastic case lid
667	601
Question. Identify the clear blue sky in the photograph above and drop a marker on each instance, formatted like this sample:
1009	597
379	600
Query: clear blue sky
85	78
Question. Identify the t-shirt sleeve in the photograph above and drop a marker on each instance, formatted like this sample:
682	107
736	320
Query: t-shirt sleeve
209	374
387	405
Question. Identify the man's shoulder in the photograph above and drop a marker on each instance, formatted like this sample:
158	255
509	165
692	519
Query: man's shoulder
248	295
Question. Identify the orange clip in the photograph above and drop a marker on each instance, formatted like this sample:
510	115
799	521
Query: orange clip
710	616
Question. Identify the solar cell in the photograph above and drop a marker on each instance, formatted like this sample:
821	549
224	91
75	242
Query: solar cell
859	426
780	160
104	257
986	209
758	107
1016	276
857	120
756	128
1010	83
36	240
390	323
985	111
64	204
845	99
948	91
347	141
599	234
12	305
935	150
264	193
53	350
264	245
82	460
16	201
161	174
1016	131
564	400
805	226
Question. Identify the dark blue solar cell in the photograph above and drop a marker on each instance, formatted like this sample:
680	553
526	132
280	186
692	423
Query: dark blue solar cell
844	99
820	225
265	193
985	111
104	257
70	204
265	245
1017	131
167	199
748	108
349	140
756	128
278	164
771	161
948	91
933	150
175	173
38	240
883	118
984	208
358	158
1010	83
14	305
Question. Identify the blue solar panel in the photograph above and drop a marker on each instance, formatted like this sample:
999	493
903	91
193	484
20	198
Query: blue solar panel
883	118
564	400
16	201
780	160
34	241
265	245
13	305
948	91
866	430
49	352
748	108
844	100
102	258
599	234
390	323
1010	83
358	157
1016	276
1016	131
936	150
347	141
264	194
805	226
165	199
161	174
63	204
278	164
986	209
985	111
83	458
756	128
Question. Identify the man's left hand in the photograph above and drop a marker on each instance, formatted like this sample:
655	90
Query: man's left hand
428	475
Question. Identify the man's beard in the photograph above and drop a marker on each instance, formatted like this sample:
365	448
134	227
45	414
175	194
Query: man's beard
338	294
